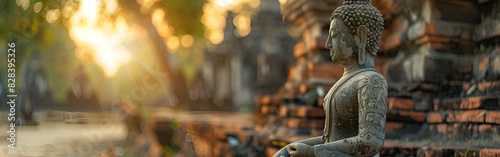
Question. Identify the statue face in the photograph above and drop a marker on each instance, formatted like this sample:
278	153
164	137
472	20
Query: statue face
341	43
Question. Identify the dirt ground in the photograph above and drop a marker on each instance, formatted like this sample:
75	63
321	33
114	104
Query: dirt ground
64	134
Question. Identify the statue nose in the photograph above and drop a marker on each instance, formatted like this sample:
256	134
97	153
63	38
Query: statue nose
328	43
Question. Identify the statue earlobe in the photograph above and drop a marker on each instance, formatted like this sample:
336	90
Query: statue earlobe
361	38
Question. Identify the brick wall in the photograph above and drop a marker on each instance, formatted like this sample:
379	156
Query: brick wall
442	62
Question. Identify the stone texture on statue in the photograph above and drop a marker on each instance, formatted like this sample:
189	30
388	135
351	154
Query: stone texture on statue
355	107
442	64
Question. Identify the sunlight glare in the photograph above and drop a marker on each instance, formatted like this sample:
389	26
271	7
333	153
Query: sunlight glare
223	3
106	41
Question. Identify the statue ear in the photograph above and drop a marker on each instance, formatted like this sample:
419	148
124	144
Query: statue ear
360	37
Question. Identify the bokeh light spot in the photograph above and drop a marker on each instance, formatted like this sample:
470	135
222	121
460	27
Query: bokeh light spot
187	40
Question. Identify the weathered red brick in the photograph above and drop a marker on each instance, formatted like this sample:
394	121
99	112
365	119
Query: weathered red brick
327	71
312	112
441	128
219	134
265	100
301	111
303	88
434	117
493	117
245	135
409	116
431	151
482	86
400	103
472	103
267	109
460	128
391	126
428	87
477	102
270	151
291	76
484	127
388	151
484	63
466	116
283	111
275	99
489	153
298	50
305	123
320	101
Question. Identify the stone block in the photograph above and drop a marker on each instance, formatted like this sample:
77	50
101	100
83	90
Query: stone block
460	11
440	28
431	66
423	104
487	30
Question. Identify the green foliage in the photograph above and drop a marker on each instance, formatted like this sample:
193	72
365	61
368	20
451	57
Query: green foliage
184	16
32	33
57	60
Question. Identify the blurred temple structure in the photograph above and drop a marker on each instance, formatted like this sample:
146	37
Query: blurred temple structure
255	64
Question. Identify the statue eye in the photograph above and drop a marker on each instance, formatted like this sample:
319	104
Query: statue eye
333	35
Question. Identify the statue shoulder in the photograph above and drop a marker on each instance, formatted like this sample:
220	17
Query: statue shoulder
371	79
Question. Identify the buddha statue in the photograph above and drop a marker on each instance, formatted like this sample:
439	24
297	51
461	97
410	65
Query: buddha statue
356	104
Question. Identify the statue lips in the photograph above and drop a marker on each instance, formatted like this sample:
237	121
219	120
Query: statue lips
331	54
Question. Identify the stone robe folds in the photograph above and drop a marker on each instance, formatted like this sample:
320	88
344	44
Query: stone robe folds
355	109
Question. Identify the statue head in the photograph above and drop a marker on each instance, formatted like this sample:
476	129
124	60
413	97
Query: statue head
355	29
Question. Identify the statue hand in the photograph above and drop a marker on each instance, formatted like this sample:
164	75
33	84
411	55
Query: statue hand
283	152
301	149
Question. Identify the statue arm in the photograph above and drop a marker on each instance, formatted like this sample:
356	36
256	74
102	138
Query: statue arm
372	101
310	141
